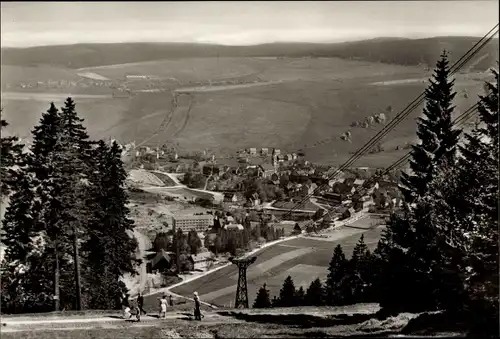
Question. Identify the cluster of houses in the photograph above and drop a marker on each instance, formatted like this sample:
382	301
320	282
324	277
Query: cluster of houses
276	154
82	83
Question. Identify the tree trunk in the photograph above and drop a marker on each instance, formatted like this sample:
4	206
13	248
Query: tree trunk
77	271
56	281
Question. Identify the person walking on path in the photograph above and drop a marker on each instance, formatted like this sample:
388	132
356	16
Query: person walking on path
163	306
135	310
197	310
140	303
126	307
170	300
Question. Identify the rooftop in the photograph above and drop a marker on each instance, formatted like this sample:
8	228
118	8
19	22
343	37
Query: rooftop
193	217
267	167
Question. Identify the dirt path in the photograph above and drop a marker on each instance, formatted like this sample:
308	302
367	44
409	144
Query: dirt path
142	249
112	321
186	120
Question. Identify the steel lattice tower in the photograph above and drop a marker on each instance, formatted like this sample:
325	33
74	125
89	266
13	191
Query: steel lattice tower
242	291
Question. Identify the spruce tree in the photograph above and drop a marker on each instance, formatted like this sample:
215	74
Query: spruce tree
10	155
162	242
335	286
52	190
45	136
111	248
300	296
435	131
21	217
315	295
194	242
361	271
466	203
287	293
262	300
483	254
414	242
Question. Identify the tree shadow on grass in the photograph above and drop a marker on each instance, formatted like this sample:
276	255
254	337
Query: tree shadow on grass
300	320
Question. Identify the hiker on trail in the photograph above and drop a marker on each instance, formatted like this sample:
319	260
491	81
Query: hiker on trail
197	311
163	306
126	305
127	311
140	303
125	301
170	300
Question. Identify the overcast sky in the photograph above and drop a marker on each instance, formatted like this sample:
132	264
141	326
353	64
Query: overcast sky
239	23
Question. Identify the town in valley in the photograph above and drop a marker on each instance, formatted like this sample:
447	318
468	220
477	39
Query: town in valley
337	177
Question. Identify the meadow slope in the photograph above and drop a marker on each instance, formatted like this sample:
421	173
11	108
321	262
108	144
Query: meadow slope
304	259
296	104
388	50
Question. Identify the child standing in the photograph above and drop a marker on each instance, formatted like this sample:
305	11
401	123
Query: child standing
163	306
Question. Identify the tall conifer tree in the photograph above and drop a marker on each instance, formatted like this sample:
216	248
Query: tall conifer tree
262	300
435	131
335	286
111	249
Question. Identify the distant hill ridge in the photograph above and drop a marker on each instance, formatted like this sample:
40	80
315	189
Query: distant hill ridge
386	50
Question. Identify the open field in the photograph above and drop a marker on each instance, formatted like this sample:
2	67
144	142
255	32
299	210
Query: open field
126	119
303	258
98	113
186	71
27	74
313	102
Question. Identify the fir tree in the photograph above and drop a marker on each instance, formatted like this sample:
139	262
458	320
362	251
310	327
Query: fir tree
287	293
21	217
315	295
162	242
194	242
361	275
10	155
435	131
52	188
335	287
262	300
414	242
300	296
466	203
111	248
45	136
75	133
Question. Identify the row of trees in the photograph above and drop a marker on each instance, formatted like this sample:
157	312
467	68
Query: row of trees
67	230
232	240
348	282
444	246
441	251
189	243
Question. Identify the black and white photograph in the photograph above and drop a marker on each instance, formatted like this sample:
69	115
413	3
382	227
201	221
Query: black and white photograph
249	169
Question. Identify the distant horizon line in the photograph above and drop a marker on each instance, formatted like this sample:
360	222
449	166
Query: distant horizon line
247	45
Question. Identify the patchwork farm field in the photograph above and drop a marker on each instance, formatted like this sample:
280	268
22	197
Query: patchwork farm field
303	258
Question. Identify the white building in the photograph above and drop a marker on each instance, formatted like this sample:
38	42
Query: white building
198	223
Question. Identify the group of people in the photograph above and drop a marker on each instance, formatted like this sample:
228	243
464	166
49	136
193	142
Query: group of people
137	307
